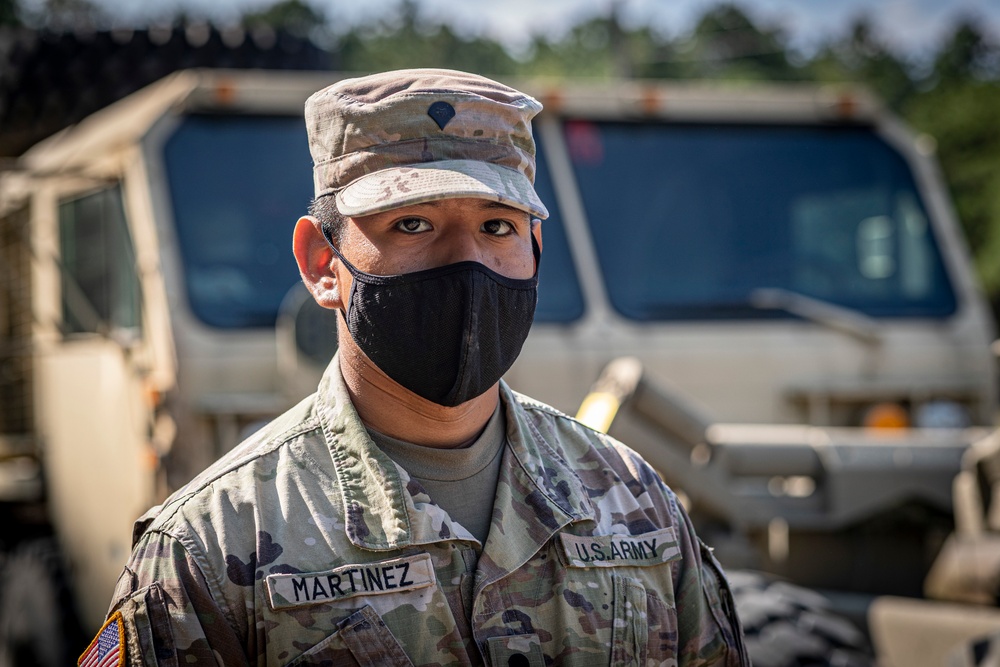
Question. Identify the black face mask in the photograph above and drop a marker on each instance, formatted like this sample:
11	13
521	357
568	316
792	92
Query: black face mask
447	334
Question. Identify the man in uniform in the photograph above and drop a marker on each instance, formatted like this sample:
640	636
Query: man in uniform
415	510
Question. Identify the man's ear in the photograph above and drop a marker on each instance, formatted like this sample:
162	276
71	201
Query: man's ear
317	263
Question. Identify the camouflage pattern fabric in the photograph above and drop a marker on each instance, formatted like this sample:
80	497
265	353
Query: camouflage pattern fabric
307	545
396	138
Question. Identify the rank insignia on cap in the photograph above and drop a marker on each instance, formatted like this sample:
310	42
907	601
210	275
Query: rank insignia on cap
441	112
108	647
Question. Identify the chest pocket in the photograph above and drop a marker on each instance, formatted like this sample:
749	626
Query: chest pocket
633	577
629	631
361	639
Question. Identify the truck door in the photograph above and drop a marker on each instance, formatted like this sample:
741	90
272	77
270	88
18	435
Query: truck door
92	397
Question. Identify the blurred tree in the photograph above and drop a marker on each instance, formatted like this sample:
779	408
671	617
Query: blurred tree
863	56
66	15
967	56
9	14
959	107
295	16
727	44
404	39
586	50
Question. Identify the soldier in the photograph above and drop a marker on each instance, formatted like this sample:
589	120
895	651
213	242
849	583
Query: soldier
415	510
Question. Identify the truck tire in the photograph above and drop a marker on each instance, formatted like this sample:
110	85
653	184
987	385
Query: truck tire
38	622
791	626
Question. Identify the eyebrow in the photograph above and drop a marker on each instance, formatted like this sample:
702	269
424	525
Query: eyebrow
487	204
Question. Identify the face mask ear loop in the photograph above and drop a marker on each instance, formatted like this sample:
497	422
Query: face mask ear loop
537	252
350	267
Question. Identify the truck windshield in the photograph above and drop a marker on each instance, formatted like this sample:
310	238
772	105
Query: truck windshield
237	186
690	220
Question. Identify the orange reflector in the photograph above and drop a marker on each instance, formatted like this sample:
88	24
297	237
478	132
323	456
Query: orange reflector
887	416
846	105
225	93
153	397
650	101
552	100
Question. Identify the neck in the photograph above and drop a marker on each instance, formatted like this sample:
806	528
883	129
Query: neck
387	407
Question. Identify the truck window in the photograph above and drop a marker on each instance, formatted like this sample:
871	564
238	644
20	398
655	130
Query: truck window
237	186
100	286
689	220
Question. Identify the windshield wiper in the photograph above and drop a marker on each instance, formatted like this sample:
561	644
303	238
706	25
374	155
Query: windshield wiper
839	318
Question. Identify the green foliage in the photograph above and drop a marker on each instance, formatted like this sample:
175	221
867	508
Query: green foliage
401	39
587	50
727	44
862	56
963	119
9	15
960	109
295	16
968	56
64	15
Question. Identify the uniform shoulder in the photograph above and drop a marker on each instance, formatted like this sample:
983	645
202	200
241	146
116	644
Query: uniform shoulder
616	479
234	472
572	432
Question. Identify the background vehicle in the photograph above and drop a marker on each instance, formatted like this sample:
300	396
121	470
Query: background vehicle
780	255
856	512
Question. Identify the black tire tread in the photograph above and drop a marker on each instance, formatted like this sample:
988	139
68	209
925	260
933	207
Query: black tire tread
38	621
790	626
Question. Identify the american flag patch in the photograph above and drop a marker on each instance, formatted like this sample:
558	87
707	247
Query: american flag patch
108	647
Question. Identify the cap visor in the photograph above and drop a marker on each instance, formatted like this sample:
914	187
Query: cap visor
432	181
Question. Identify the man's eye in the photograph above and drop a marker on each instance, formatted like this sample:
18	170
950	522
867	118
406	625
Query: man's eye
413	225
498	227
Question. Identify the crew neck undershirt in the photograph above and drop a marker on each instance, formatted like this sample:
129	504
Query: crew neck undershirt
462	481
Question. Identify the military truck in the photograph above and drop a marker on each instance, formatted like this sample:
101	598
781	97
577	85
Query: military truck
784	256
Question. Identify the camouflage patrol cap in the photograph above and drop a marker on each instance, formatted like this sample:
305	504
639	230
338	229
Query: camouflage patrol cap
411	136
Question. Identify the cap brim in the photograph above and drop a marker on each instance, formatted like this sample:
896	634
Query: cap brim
432	181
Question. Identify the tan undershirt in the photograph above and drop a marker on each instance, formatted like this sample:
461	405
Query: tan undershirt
463	481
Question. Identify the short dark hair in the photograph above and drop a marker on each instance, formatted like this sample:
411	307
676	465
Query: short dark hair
330	218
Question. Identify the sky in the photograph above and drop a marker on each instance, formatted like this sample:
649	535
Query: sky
911	26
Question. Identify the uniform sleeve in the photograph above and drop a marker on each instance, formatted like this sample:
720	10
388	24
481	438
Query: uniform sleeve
709	629
168	611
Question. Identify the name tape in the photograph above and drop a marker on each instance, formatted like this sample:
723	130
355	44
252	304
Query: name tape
388	576
620	550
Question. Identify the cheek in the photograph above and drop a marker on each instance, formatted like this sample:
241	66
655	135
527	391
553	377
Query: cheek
518	268
520	265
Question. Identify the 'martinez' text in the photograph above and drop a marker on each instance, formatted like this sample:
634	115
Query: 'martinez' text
390	576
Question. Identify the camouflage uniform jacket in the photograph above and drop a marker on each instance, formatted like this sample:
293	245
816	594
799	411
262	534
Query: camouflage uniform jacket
306	545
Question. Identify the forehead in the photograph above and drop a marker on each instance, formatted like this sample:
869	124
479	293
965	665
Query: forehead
459	205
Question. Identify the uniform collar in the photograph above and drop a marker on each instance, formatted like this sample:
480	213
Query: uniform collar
384	511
